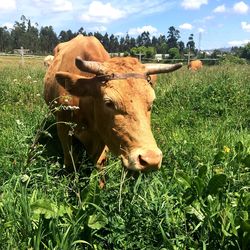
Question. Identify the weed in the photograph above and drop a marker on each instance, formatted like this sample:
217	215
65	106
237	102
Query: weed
198	200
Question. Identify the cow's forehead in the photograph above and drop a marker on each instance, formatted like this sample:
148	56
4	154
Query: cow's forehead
129	88
124	65
124	89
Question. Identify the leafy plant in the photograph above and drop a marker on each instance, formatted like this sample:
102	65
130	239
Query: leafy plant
199	199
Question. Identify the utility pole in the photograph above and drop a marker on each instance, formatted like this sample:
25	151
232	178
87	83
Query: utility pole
199	41
22	54
21	51
140	55
189	53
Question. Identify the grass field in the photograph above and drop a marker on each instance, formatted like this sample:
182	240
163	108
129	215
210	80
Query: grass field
199	199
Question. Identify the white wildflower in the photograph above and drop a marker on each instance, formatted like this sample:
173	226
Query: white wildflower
25	178
19	123
70	107
71	133
73	107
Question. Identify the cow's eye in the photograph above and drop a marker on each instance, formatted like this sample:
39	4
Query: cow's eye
110	104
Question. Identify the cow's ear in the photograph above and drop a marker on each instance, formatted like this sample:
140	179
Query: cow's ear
75	84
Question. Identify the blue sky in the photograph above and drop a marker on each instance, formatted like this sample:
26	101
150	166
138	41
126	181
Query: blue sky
219	23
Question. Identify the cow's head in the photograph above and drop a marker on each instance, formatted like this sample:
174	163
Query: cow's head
123	98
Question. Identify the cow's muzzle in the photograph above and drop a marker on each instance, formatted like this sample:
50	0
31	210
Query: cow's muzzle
143	160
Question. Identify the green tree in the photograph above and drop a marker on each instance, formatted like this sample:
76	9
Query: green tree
105	41
65	36
5	39
132	42
127	43
81	31
146	41
246	52
32	36
18	33
48	39
181	47
173	37
191	43
122	44
154	42
147	52
139	41
216	53
162	46
174	53
135	51
113	44
99	36
150	52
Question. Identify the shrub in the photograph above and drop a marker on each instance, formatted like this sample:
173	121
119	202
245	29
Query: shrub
231	59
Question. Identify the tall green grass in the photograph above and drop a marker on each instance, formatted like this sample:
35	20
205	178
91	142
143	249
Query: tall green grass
198	200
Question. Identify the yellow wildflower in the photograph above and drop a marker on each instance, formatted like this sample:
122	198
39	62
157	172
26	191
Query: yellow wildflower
226	149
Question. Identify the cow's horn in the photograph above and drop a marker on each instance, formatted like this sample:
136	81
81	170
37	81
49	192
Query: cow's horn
89	66
152	69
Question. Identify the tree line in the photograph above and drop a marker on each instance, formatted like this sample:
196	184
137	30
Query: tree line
42	41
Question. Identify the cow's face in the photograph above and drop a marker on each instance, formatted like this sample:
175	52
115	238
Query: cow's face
122	110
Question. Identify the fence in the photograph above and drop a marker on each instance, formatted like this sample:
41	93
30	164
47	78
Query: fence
205	61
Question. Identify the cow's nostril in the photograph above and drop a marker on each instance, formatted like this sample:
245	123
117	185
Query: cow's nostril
142	162
149	160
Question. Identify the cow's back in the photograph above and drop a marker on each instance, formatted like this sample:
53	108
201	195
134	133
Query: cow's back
195	65
88	48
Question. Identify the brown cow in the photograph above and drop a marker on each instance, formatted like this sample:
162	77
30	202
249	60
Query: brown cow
195	65
109	100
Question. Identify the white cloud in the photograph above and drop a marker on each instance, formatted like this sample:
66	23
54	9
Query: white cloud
100	28
54	5
201	30
186	26
245	26
241	8
137	31
62	6
220	9
8	5
102	13
238	42
193	4
8	25
204	19
144	7
119	34
207	18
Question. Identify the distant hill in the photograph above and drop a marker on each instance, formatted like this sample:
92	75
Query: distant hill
221	49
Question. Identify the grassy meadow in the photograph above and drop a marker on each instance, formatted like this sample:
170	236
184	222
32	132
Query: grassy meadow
200	199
